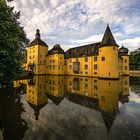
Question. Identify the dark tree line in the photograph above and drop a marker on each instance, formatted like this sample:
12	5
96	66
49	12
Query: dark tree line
12	41
135	61
12	125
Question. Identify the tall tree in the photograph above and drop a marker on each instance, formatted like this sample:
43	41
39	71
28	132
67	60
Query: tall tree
12	40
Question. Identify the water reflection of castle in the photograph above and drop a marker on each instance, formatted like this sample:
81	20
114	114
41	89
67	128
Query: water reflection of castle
98	94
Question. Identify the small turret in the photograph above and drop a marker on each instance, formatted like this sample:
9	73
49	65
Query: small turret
37	35
123	51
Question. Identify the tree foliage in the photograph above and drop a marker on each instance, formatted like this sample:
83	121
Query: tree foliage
135	61
12	40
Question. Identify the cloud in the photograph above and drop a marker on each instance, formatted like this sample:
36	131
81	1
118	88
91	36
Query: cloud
75	22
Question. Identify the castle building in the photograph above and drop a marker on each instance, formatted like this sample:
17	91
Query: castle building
103	59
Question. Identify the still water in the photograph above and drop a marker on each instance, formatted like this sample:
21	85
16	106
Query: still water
71	108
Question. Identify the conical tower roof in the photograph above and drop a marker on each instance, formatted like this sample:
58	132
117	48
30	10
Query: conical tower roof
108	39
109	118
36	109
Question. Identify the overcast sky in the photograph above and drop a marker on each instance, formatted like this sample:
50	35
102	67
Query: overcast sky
76	22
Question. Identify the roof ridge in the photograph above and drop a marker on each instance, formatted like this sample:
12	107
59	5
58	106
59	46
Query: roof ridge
84	45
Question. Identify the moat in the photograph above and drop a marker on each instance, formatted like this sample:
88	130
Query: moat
71	108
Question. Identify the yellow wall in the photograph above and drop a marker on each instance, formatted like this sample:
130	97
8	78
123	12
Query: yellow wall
85	86
37	55
125	65
90	71
106	91
125	82
110	67
120	66
55	85
108	95
36	89
55	64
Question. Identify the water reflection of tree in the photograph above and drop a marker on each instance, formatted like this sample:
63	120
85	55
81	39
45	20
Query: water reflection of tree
11	122
135	85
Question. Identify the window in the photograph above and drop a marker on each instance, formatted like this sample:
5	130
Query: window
70	83
125	60
125	67
114	48
95	67
53	82
40	61
103	58
33	56
86	67
53	66
86	59
95	58
95	81
95	73
102	98
30	57
86	72
65	62
86	85
95	87
70	66
125	82
53	61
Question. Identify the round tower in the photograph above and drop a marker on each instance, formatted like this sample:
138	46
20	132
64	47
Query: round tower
123	52
108	56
